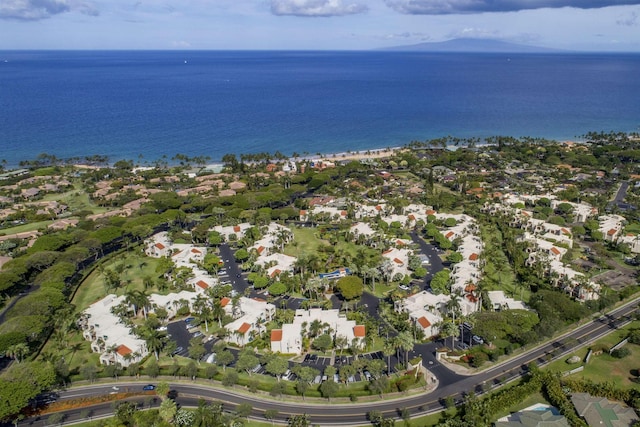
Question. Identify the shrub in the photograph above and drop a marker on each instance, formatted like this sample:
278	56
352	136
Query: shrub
619	353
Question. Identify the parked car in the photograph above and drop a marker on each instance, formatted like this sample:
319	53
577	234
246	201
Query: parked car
198	334
177	350
189	319
162	328
149	387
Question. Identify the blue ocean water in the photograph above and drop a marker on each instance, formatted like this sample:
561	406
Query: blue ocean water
141	105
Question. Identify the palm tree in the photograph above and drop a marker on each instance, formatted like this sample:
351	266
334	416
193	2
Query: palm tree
217	311
17	351
315	327
201	306
154	341
388	350
405	343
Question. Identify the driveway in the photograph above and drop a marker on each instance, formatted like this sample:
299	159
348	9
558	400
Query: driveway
433	253
232	270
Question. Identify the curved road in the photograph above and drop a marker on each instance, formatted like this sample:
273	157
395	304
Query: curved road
356	413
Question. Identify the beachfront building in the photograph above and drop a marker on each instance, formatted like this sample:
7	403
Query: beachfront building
289	339
108	335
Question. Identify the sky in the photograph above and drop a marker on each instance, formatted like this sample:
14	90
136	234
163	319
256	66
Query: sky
585	25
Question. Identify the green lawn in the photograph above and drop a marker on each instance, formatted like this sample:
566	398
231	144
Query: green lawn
136	267
305	242
603	367
32	226
77	200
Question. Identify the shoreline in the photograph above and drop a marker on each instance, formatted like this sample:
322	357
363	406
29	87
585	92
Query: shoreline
373	153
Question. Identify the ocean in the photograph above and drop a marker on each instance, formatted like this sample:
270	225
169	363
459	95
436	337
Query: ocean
143	105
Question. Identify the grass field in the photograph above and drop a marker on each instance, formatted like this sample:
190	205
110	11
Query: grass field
32	226
77	200
603	367
135	268
306	242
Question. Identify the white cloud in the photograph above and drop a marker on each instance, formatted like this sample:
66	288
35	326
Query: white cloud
33	10
444	7
180	44
316	7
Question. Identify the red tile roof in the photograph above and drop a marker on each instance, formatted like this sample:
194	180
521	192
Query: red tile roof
276	335
195	251
612	232
236	228
430	212
260	249
224	301
470	287
411	217
159	246
473	257
202	284
555	250
359	331
276	272
449	234
398	261
123	350
244	328
424	322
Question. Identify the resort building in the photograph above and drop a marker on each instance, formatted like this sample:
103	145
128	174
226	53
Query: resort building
288	339
250	316
113	340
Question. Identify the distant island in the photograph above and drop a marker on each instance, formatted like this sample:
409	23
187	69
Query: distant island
472	45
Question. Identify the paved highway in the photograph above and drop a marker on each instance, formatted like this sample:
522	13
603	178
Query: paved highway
356	413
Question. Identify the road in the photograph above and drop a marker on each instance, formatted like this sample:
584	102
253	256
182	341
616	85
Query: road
420	404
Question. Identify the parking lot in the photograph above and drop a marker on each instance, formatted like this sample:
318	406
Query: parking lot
180	332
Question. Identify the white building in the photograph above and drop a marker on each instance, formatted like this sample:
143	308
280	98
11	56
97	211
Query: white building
288	340
113	340
250	318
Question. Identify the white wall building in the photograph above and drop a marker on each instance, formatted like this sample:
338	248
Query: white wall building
288	340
